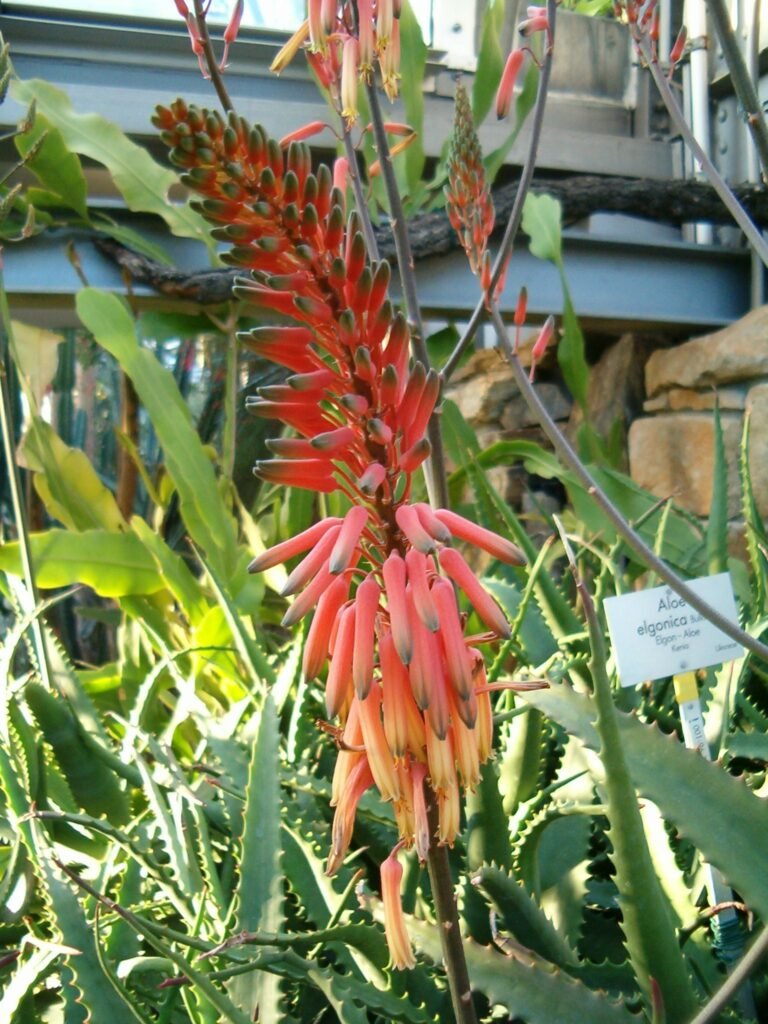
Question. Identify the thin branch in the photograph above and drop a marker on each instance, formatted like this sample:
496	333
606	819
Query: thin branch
357	187
451	939
730	987
217	80
515	217
738	213
569	457
742	82
437	479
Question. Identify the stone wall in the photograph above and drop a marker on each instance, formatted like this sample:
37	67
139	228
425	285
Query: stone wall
655	401
671	447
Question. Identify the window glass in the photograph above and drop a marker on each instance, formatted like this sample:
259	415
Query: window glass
274	14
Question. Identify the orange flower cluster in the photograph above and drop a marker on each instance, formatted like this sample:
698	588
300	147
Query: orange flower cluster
344	41
405	681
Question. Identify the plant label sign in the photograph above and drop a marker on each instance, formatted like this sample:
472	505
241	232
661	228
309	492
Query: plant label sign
655	633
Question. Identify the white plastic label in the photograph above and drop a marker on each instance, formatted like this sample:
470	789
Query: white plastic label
655	633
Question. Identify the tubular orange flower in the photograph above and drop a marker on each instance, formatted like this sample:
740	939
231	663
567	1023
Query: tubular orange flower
367	603
394	921
507	84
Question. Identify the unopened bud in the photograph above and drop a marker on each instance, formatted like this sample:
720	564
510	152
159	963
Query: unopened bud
507	83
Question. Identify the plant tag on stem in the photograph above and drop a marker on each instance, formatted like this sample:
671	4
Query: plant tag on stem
655	633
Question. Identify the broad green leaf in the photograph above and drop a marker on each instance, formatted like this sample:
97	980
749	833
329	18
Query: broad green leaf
113	564
36	354
69	486
143	183
55	165
259	895
490	61
207	519
176	573
413	61
542	223
716	812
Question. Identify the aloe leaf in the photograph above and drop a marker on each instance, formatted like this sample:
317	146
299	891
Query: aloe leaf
717	527
67	482
530	988
716	812
24	977
647	921
143	183
351	999
523	917
112	564
206	517
95	991
490	61
259	893
754	527
168	827
96	790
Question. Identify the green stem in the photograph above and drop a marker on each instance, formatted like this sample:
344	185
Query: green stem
438	479
633	540
210	58
646	921
451	940
742	82
14	483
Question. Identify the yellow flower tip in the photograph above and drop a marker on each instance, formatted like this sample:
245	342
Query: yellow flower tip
288	52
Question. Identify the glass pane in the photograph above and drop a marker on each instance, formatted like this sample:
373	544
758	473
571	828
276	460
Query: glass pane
273	14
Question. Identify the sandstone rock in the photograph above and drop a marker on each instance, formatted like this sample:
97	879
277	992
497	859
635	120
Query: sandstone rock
516	416
672	455
487	396
757	404
737	352
677	399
